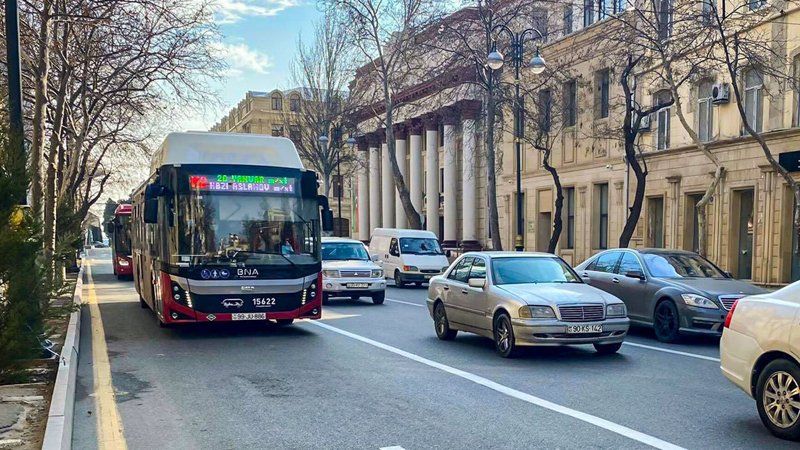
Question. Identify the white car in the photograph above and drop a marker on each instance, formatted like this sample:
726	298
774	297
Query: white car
760	353
347	271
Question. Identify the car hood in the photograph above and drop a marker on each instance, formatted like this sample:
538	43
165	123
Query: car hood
559	293
713	287
349	265
426	262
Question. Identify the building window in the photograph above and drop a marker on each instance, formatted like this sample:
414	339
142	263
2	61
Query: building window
705	112
545	101
797	91
662	117
294	104
601	238
754	99
655	222
664	19
603	79
569	196
620	5
707	11
294	133
567	19
755	4
540	22
588	12
277	102
277	130
337	186
570	103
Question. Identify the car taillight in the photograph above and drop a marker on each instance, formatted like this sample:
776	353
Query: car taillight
730	315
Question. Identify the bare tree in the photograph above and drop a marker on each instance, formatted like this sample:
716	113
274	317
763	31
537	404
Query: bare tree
385	34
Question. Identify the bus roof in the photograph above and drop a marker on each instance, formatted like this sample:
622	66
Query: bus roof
124	208
198	147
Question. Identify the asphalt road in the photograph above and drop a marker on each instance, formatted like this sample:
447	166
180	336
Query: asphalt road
373	377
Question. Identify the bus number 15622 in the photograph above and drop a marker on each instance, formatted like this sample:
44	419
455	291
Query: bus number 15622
264	302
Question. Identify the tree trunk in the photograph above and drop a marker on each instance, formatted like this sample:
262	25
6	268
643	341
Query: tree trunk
491	171
414	220
638	199
40	107
557	222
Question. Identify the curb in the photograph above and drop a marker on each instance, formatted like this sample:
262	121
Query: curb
58	433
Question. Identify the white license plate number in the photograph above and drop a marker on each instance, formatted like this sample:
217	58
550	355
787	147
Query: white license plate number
249	316
357	285
584	328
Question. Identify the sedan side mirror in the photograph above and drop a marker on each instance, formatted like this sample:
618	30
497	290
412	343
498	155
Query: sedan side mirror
635	274
479	283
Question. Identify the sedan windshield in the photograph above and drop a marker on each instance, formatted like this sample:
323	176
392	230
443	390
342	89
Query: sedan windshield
420	246
681	266
344	252
532	270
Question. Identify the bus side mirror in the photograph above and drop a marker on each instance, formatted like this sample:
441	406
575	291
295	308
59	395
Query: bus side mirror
308	184
110	228
327	220
151	210
153	191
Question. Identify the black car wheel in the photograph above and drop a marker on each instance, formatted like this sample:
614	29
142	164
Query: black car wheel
398	280
666	322
778	399
378	297
504	341
325	298
443	330
607	349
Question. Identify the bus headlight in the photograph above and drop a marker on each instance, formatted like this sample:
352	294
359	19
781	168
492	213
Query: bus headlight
181	296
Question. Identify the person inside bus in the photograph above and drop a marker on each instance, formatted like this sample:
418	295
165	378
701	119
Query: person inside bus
288	244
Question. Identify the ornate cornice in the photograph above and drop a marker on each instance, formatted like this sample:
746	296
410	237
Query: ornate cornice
400	131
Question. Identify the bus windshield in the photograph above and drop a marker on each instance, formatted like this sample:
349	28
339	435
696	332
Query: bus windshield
217	228
122	235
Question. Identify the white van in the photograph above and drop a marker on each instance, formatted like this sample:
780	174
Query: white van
407	256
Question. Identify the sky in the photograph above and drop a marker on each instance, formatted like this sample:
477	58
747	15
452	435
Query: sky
259	41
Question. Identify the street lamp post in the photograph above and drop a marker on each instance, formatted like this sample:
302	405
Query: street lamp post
495	61
351	141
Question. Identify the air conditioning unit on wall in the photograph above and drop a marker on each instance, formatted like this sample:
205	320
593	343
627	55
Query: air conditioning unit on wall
720	93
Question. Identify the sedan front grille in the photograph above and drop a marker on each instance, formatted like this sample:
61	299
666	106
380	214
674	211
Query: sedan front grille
584	313
728	300
355	273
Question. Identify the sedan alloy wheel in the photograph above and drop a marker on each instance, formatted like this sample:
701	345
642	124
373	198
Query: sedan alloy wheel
504	337
666	322
778	398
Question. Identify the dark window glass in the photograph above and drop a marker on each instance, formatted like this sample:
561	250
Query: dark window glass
629	263
294	104
603	228
344	252
420	246
588	12
545	101
606	262
540	23
681	265
604	90
567	19
337	186
665	19
478	268
461	273
394	250
532	270
570	103
570	198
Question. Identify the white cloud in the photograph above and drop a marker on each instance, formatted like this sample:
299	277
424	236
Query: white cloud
242	58
232	11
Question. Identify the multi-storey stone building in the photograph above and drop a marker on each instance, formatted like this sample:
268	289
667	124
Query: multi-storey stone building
439	144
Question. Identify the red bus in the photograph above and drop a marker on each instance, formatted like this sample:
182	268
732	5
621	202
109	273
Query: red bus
119	238
227	227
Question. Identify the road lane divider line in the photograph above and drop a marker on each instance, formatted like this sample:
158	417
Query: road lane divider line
584	417
110	435
403	302
674	352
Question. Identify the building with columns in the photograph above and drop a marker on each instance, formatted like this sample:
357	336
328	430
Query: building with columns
439	145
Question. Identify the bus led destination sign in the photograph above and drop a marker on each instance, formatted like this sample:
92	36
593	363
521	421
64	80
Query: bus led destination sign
243	183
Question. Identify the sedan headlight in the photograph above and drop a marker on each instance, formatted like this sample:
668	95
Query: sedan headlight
330	273
410	269
377	273
537	312
698	301
616	310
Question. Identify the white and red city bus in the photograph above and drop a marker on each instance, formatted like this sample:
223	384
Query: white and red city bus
228	227
119	238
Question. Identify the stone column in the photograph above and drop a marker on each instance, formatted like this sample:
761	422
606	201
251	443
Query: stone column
400	154
470	110
432	176
415	164
374	181
387	181
364	230
450	117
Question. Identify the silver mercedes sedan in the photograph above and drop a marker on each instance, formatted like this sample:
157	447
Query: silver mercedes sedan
524	299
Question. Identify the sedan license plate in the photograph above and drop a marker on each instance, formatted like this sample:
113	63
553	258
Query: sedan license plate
357	285
249	316
584	328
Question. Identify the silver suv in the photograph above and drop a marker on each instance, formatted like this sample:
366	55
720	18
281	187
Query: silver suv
347	271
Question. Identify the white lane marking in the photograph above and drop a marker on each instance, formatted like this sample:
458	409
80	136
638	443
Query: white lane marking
394	447
405	303
674	352
588	418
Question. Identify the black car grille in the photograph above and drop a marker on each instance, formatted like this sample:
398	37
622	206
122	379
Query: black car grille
728	300
429	271
585	313
355	273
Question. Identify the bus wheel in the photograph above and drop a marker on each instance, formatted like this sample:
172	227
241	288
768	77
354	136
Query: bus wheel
284	322
143	303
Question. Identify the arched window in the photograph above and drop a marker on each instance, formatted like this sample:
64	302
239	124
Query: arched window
294	103
277	102
662	117
705	112
754	99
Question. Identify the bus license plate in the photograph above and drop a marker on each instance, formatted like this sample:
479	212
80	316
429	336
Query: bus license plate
584	328
357	285
249	316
